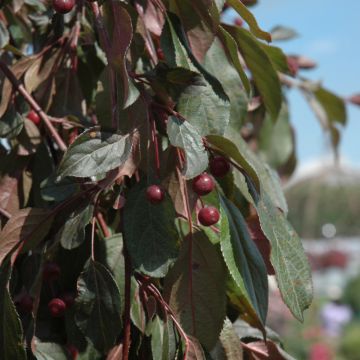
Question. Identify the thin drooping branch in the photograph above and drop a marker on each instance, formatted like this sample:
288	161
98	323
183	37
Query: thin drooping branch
34	105
185	198
103	226
127	320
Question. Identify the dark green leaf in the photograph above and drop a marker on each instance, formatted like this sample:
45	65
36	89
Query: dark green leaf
237	154
208	290
292	269
98	312
277	57
11	124
50	351
72	234
151	235
57	191
11	334
163	342
93	153
206	107
244	261
242	10
229	345
261	67
232	53
333	105
4	35
183	135
276	143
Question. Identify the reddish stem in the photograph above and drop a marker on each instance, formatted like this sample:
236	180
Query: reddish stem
127	323
34	105
5	213
185	197
102	224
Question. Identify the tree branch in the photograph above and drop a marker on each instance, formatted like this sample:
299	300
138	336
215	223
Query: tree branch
34	105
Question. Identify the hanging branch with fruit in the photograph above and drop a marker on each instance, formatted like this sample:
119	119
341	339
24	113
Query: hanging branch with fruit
141	208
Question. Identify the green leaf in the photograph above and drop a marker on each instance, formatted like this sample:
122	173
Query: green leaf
11	333
4	35
28	226
103	99
208	290
183	135
229	345
163	341
206	106
216	59
72	234
292	269
57	191
333	105
261	67
151	236
237	154
11	124
244	261
276	143
283	33
98	312
232	53
50	351
277	57
94	153
243	11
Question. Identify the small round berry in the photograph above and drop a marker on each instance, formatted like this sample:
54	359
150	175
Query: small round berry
203	184
68	298
63	6
51	271
209	216
56	307
219	166
238	22
73	351
155	194
34	117
25	304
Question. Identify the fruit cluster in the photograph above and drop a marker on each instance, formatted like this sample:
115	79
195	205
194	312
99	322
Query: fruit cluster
202	185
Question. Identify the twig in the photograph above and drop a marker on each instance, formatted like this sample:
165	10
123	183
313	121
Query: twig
93	238
185	197
34	105
127	322
104	228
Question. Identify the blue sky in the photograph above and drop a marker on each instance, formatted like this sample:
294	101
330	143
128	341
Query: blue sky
328	33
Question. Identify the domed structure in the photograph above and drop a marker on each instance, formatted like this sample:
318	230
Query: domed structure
325	202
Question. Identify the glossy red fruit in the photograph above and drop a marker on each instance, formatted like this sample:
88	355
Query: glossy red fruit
219	166
155	194
63	6
51	271
203	184
25	304
73	351
68	298
208	216
56	307
34	117
160	54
